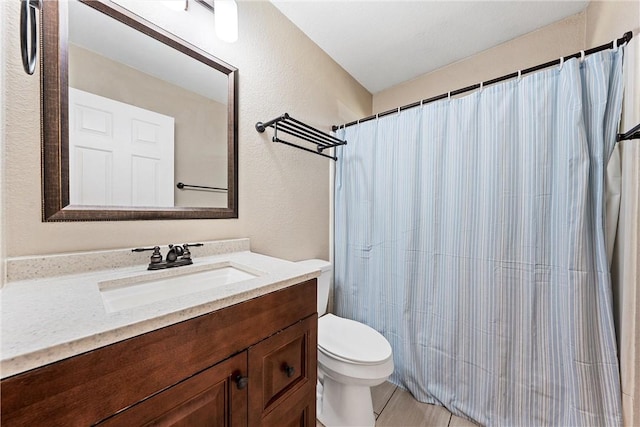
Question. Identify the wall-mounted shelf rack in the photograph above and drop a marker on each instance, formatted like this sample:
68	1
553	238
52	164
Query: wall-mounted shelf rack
634	133
287	124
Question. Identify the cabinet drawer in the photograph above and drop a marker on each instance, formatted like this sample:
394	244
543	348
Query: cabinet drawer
282	365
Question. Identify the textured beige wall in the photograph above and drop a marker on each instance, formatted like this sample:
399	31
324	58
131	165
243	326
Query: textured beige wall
200	123
610	19
561	38
283	192
2	156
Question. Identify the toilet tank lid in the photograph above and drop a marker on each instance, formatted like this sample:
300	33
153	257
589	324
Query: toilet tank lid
318	264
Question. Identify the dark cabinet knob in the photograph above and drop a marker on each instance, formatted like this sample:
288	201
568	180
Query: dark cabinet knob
241	382
289	370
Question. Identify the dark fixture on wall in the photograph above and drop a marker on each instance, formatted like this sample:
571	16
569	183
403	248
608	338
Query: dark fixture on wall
183	186
287	124
634	133
29	34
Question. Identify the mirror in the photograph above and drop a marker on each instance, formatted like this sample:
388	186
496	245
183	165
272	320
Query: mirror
137	124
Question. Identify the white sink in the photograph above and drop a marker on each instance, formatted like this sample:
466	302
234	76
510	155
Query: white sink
147	288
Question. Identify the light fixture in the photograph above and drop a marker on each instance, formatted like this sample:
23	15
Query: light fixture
176	4
226	20
225	15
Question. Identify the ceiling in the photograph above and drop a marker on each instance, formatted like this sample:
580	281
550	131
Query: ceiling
383	43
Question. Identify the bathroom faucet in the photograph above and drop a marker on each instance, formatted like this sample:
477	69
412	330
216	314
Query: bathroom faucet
176	256
174	253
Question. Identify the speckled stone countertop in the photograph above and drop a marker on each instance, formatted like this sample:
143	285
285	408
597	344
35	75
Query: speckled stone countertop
52	318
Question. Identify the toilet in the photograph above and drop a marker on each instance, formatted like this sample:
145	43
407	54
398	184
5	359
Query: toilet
352	358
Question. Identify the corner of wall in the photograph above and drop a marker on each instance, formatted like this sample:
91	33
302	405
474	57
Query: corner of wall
3	269
607	20
610	19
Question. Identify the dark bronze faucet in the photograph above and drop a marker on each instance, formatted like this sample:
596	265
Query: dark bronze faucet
176	256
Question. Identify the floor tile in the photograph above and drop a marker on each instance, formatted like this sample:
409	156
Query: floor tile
381	394
404	410
460	422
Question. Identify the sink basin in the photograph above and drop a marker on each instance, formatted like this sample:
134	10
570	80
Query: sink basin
143	289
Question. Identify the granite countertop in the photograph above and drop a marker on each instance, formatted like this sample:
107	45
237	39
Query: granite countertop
49	319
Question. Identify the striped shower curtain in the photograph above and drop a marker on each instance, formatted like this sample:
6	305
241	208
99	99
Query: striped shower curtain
470	233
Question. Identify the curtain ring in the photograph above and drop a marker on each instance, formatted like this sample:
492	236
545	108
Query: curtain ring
377	116
519	75
582	56
561	63
449	96
398	110
615	45
481	86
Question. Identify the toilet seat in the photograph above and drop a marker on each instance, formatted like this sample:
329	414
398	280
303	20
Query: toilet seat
351	342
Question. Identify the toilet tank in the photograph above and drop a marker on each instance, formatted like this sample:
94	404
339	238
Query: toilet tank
323	281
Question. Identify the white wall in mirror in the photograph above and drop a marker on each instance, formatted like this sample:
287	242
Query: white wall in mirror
150	75
88	28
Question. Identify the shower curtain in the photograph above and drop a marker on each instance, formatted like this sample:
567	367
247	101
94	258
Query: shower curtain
470	233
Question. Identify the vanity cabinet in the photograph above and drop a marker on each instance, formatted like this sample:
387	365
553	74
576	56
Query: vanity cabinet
253	363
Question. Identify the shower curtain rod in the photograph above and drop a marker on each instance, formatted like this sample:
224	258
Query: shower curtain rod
624	39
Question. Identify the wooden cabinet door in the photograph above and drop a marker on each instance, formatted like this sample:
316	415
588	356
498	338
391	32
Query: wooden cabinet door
211	398
299	410
282	377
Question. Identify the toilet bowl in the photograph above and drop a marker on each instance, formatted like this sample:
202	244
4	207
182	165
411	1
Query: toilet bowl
352	358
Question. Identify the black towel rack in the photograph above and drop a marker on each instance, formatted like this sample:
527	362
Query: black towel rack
182	186
287	124
634	133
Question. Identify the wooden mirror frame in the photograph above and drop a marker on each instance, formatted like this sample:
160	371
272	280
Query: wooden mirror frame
55	122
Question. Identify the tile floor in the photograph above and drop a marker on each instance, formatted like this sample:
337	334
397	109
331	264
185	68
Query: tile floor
395	407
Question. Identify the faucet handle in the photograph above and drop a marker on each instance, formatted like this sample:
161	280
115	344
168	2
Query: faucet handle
144	249
187	252
156	257
191	245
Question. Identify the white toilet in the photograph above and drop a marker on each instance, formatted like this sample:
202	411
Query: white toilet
352	357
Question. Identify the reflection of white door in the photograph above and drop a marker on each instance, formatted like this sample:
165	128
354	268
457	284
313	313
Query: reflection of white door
119	154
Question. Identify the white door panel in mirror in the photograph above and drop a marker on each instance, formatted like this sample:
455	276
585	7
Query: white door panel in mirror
119	154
